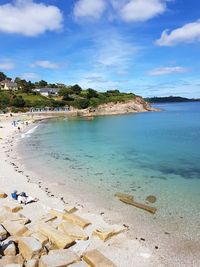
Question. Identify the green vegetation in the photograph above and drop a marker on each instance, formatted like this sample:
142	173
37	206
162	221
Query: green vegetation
169	99
73	96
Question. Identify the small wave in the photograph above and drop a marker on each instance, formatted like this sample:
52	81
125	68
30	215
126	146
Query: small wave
29	132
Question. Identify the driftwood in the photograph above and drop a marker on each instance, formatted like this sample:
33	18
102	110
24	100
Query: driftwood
128	200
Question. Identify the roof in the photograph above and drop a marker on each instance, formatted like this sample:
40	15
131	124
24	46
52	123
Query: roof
9	83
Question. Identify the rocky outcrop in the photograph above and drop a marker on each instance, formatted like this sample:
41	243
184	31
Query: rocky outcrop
130	106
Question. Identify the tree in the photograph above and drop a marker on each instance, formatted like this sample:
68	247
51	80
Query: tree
18	102
81	103
42	83
91	93
65	91
25	86
76	89
2	76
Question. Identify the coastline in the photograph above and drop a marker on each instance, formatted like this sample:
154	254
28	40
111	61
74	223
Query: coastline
143	252
121	250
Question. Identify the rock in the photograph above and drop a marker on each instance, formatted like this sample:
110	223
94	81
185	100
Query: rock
70	209
3	233
94	258
106	234
41	238
48	218
30	248
58	258
56	213
14	265
9	216
14	228
76	220
151	199
11	260
32	263
55	236
79	264
9	249
13	207
73	230
3	195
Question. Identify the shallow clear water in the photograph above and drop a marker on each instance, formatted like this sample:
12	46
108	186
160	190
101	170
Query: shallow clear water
147	153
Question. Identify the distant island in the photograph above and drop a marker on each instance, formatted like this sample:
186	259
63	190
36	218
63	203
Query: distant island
170	99
19	95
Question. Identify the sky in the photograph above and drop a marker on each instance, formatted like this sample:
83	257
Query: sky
149	47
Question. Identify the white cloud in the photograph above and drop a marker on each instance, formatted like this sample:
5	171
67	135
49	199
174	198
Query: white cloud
167	70
89	8
7	65
142	10
45	64
28	18
189	33
117	53
29	76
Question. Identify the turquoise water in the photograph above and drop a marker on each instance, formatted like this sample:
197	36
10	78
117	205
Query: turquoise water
148	153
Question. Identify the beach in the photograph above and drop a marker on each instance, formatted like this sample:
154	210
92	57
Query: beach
144	245
119	249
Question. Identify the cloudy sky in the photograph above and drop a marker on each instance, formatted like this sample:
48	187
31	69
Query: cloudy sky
150	47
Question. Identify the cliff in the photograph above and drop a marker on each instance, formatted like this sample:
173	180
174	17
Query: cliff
130	106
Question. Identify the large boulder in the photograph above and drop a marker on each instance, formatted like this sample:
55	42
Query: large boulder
14	228
3	232
57	237
58	258
30	248
76	220
73	230
94	258
11	260
9	248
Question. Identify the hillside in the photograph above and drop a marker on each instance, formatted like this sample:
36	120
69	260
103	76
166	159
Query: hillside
170	99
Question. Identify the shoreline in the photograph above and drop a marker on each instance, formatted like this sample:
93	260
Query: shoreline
121	250
149	256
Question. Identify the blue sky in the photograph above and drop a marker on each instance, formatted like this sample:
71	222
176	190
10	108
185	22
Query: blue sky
150	47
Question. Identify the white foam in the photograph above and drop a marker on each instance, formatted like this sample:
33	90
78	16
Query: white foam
29	132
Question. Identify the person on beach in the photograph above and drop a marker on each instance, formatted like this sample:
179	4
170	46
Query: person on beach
19	129
24	199
14	195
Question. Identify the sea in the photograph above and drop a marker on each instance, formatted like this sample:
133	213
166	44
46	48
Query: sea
142	154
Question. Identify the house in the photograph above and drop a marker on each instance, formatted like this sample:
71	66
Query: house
47	91
8	85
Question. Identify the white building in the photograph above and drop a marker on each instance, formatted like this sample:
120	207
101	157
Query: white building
47	91
8	85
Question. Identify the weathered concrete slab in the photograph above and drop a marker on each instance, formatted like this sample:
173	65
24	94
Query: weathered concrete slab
12	207
9	248
30	248
104	234
73	230
11	260
59	258
41	238
32	263
76	220
94	258
3	232
69	209
14	228
7	215
3	195
55	236
48	218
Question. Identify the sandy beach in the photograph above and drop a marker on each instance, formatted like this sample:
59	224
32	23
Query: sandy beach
124	249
